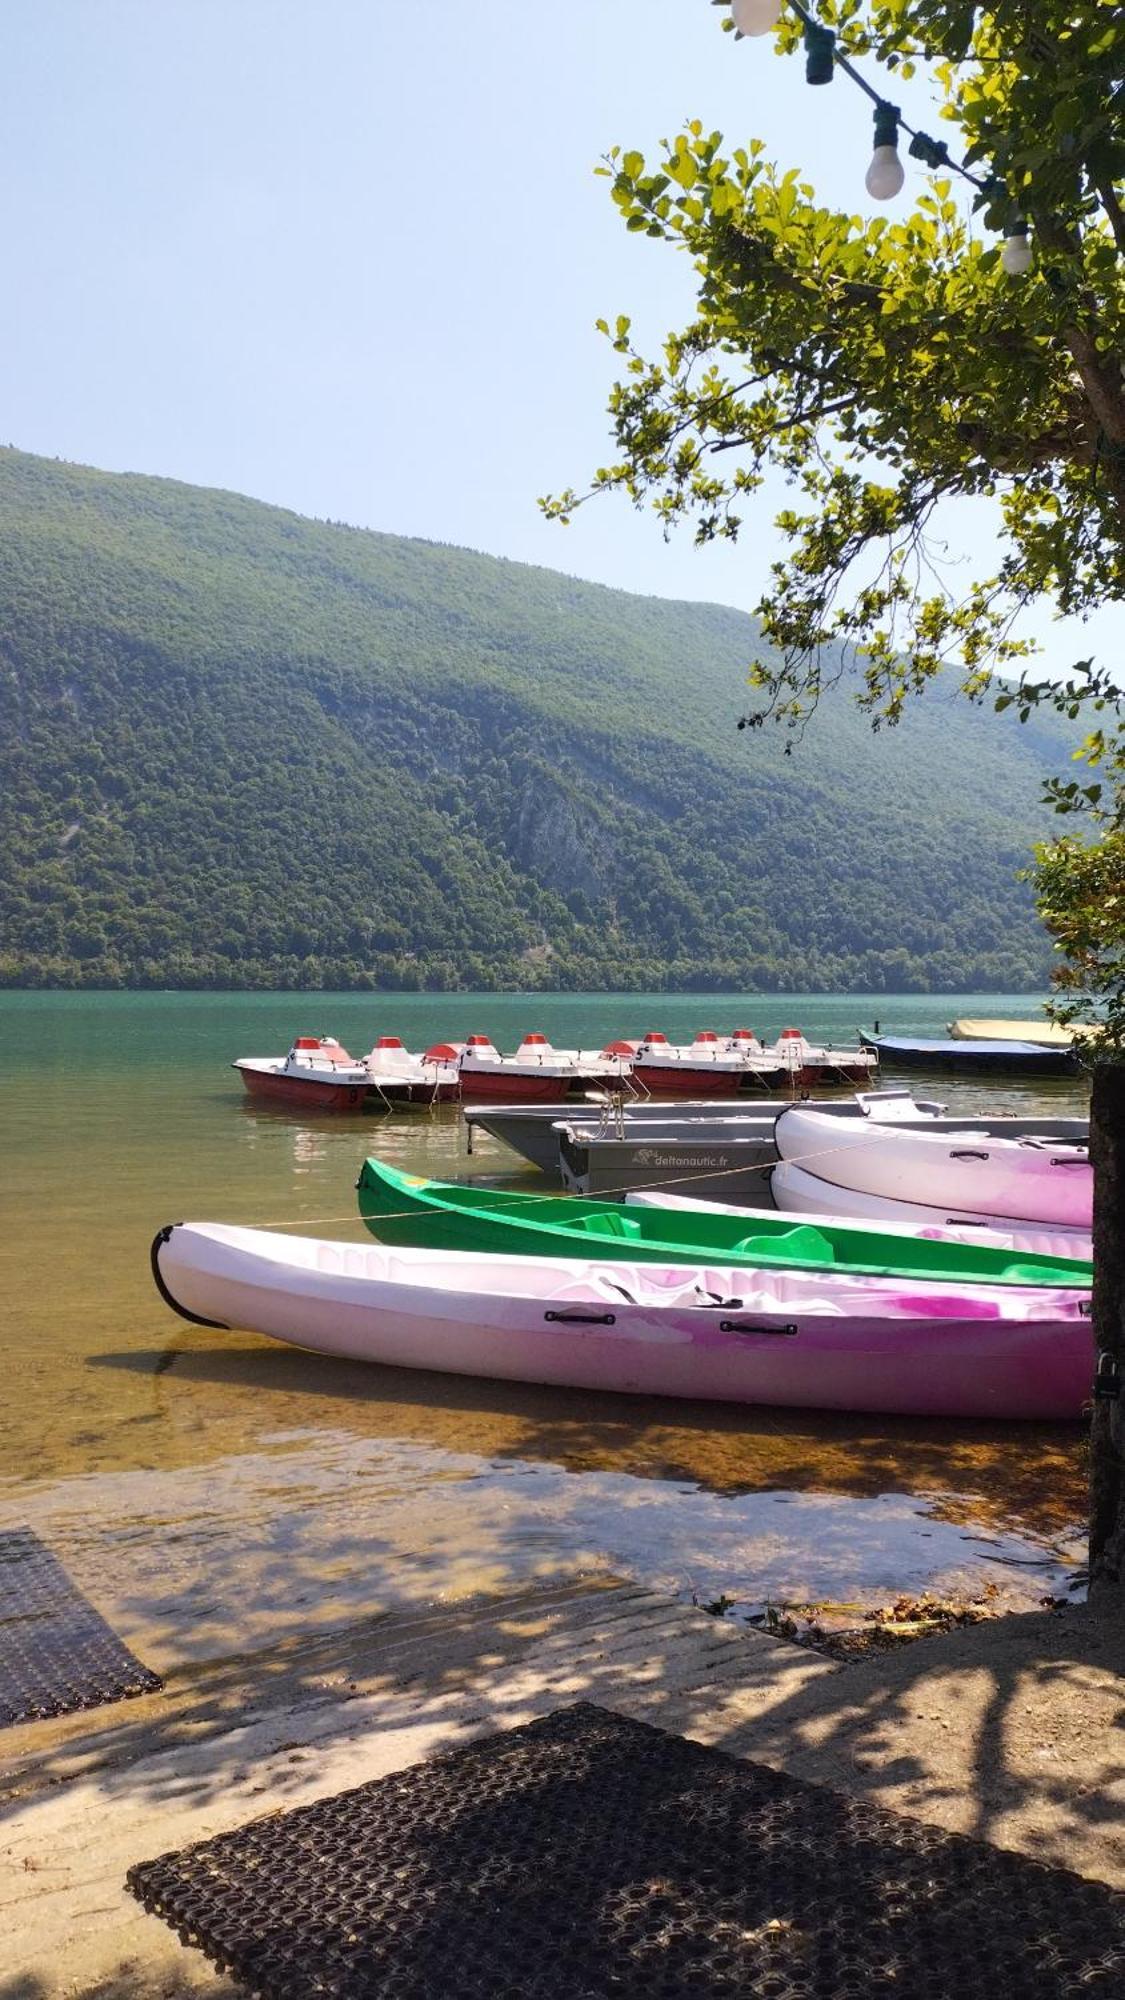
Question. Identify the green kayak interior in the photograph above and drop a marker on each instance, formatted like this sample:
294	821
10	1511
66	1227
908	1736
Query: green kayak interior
447	1215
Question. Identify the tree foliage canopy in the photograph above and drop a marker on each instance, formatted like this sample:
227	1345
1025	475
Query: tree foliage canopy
886	365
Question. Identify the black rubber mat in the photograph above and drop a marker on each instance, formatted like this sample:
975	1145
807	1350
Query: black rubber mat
56	1652
586	1855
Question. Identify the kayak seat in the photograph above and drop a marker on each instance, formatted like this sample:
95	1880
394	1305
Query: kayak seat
610	1224
802	1245
1034	1274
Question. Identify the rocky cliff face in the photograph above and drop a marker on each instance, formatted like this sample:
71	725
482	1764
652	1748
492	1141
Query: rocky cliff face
558	846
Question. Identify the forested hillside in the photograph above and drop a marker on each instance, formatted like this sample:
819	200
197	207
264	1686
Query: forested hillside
241	748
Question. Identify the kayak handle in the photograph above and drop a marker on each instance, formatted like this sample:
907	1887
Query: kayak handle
754	1326
968	1156
164	1236
582	1319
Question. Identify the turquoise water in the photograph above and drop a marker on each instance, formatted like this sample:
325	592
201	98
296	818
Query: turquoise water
121	1113
206	1028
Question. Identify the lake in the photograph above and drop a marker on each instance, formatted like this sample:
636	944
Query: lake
212	1490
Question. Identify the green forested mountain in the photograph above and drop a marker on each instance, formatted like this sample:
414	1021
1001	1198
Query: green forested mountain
242	748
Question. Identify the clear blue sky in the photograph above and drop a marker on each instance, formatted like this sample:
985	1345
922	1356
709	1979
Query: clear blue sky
346	255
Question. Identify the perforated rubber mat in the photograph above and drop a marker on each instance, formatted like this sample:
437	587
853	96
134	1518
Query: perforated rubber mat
586	1856
56	1652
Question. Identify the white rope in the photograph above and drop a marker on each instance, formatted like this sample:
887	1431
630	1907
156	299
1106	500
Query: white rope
425	1212
422	1211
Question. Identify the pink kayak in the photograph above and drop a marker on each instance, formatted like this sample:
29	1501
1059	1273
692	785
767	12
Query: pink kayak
803	1338
1029	1179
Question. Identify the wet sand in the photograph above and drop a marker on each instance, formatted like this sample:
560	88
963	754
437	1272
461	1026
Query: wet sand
1006	1732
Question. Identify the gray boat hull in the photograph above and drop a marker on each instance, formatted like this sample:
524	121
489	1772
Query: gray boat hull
529	1128
714	1167
720	1169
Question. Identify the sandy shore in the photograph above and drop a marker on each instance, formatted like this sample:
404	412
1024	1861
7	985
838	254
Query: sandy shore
1010	1731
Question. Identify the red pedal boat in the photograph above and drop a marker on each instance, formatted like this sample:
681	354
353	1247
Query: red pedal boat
317	1073
538	1073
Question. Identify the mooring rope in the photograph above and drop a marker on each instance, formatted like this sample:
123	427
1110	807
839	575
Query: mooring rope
420	1213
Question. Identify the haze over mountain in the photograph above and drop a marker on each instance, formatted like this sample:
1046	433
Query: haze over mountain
242	748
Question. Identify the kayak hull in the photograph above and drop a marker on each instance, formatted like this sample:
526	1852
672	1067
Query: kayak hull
786	1341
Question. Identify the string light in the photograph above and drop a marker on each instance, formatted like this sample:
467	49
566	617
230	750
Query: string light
886	174
933	153
756	17
1016	255
820	52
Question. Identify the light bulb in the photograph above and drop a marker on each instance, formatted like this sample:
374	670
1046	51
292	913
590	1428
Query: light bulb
885	175
755	17
1016	254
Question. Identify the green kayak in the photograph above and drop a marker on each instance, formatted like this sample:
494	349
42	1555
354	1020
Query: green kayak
444	1215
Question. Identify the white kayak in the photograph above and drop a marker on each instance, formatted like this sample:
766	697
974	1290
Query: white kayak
808	1339
799	1195
1029	1179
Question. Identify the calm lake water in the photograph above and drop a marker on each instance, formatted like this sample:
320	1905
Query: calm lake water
212	1489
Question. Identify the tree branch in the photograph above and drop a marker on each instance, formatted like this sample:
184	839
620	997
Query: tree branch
1107	195
1015	455
762	264
795	422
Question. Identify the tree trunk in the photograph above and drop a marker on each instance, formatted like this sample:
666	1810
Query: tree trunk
1107	1440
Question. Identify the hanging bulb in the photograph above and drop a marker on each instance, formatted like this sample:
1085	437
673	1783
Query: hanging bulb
755	17
1016	254
886	173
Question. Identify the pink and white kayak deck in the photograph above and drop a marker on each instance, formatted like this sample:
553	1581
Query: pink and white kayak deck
805	1339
